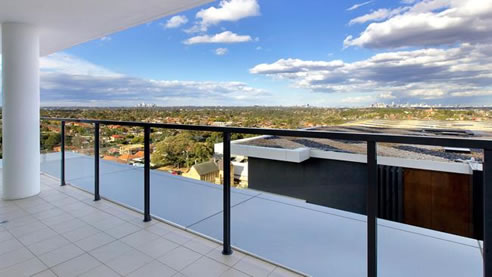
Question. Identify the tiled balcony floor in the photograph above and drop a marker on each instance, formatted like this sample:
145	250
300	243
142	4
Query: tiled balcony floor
63	232
313	239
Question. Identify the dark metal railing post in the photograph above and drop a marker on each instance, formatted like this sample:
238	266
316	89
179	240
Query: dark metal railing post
226	163
487	213
372	208
96	162
62	151
147	174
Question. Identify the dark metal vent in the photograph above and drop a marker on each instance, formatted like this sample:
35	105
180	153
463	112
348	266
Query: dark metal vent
390	182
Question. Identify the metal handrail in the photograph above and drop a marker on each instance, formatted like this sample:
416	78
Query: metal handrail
372	192
361	136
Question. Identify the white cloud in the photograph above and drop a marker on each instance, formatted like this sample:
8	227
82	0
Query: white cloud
295	66
69	80
356	6
418	74
377	15
386	95
65	88
68	64
426	94
228	10
358	99
106	38
224	37
472	93
426	23
221	51
176	21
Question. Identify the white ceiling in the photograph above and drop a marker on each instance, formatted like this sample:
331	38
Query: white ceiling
65	23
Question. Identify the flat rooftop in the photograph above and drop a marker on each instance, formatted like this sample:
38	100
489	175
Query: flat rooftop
475	125
315	240
415	152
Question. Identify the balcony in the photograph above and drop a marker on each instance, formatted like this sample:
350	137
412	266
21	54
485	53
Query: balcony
69	214
63	232
278	233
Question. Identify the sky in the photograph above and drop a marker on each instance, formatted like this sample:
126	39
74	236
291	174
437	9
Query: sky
285	53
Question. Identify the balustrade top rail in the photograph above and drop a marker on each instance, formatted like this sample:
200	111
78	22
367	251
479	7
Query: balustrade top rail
388	138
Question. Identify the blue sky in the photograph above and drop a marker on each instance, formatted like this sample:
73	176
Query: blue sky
278	52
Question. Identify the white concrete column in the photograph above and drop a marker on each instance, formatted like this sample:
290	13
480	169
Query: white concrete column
20	110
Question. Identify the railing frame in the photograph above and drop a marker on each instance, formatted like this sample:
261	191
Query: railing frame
62	152
372	190
487	212
97	196
372	210
226	163
147	216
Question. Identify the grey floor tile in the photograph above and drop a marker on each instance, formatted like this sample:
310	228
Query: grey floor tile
80	233
37	236
26	268
101	271
14	257
280	272
61	255
76	266
228	260
157	248
200	245
254	266
94	241
128	262
48	245
153	269
138	238
231	272
110	251
5	235
71	223
9	245
160	228
205	267
122	230
45	273
178	236
179	258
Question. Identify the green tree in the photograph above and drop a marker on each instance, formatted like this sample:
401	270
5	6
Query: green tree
52	140
182	150
200	153
137	140
172	150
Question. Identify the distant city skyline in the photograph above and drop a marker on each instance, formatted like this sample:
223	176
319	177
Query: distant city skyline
286	53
